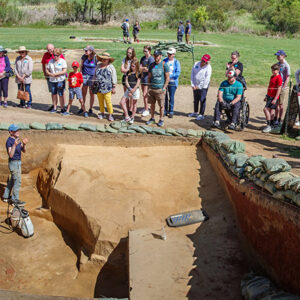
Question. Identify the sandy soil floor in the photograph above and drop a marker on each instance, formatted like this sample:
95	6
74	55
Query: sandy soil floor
256	141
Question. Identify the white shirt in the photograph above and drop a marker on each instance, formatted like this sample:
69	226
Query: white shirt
55	67
200	76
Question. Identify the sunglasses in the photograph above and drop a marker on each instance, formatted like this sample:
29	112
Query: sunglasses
56	55
22	51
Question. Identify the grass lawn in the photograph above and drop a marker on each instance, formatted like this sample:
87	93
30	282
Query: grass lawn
257	52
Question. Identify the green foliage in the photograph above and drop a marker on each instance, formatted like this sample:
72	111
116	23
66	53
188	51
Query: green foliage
105	9
200	17
9	13
180	11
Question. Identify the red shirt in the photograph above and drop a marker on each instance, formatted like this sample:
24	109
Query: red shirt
47	57
75	79
274	84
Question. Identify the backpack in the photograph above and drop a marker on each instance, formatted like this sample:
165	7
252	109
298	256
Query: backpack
124	27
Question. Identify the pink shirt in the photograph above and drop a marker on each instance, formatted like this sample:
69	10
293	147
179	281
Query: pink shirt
2	64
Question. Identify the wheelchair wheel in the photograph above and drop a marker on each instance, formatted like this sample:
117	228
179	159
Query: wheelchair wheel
244	115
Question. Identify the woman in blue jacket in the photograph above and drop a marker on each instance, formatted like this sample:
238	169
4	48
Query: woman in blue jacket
4	76
175	70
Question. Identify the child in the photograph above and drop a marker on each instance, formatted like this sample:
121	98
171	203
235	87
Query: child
75	82
105	81
14	147
272	97
132	83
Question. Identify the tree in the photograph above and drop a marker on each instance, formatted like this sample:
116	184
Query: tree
105	9
200	17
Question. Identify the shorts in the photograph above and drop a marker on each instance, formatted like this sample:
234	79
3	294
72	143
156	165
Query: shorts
283	95
58	88
135	96
156	95
75	91
269	103
125	34
87	80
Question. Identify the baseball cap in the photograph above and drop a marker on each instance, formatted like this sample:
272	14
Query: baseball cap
91	48
206	57
157	52
231	73
13	127
126	20
171	51
75	64
180	22
280	52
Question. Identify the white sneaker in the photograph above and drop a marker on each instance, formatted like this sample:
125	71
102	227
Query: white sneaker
267	129
141	111
131	121
297	123
193	115
100	116
145	113
199	118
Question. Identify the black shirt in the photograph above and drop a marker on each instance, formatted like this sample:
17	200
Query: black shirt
132	79
238	66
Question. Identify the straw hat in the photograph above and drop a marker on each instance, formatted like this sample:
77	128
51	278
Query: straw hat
21	49
105	55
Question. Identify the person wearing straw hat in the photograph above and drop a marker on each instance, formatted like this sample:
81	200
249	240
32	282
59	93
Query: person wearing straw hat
23	71
4	70
105	81
14	146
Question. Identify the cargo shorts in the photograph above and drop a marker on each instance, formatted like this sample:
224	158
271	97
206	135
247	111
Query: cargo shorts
156	95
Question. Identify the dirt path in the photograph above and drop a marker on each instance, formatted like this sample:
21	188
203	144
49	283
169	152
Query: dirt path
257	142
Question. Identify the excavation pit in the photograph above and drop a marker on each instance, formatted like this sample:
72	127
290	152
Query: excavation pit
98	203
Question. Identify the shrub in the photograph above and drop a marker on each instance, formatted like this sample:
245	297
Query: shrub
9	14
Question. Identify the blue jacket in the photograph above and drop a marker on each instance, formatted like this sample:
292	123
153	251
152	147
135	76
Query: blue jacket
176	71
7	64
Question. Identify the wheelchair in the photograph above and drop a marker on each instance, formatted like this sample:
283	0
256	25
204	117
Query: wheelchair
243	115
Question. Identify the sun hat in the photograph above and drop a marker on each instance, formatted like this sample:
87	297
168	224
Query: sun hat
231	73
75	64
105	55
206	57
91	48
2	49
13	127
21	49
157	53
280	52
171	51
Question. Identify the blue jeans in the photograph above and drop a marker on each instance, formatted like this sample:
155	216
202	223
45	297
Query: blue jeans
169	100
14	182
27	89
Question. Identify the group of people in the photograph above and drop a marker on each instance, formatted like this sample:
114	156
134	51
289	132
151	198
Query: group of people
181	31
135	31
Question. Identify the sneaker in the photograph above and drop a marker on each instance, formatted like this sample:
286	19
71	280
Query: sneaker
90	111
160	123
18	202
100	116
28	107
276	123
199	118
151	121
216	124
127	119
193	115
267	129
86	115
171	115
297	123
131	121
231	126
5	105
6	200
1	103
62	111
145	113
66	113
52	111
80	111
50	108
111	118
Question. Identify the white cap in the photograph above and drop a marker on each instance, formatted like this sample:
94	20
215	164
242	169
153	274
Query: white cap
171	51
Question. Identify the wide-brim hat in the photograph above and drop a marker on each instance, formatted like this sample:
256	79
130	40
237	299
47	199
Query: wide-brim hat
105	55
171	51
21	49
2	49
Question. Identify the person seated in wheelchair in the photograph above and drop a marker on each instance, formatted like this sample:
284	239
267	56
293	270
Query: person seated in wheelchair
229	99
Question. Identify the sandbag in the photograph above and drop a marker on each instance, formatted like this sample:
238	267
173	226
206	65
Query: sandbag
191	133
126	130
296	199
137	129
117	125
181	131
148	129
270	187
279	195
289	194
275	165
256	171
264	177
172	131
233	146
248	169
88	127
217	141
280	184
101	128
290	183
296	187
255	161
4	126
200	133
37	126
75	127
259	182
159	131
23	126
111	130
277	176
54	126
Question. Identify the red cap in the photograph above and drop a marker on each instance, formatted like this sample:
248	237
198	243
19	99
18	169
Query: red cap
206	57
75	64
